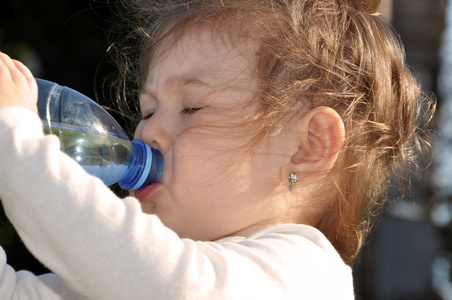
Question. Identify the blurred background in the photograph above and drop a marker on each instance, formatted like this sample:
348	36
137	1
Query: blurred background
409	255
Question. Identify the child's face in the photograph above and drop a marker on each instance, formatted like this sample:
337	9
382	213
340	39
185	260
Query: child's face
196	94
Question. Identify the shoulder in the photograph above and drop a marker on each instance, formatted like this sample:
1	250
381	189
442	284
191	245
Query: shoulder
303	237
298	235
303	255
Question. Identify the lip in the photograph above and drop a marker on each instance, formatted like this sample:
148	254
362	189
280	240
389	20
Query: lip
147	192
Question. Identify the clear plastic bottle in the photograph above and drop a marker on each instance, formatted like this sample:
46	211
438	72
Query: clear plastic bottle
92	137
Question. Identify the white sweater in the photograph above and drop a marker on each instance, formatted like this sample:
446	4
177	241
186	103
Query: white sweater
104	247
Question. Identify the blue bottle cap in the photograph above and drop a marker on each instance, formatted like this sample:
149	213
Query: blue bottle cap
145	168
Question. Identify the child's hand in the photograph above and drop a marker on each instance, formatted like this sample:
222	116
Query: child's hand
17	85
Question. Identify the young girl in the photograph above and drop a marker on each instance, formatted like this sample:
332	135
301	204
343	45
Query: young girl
281	124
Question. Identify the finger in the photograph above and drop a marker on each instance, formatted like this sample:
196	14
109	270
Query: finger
31	81
5	65
24	70
6	60
10	68
18	73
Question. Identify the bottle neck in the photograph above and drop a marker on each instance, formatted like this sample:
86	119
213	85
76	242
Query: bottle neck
145	166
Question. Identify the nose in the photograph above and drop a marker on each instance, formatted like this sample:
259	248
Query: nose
155	133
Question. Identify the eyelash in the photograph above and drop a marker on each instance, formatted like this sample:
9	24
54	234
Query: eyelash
186	111
145	117
190	110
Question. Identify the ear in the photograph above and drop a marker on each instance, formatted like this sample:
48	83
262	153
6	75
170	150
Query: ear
321	136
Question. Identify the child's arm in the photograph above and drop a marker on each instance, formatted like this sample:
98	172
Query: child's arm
18	88
25	285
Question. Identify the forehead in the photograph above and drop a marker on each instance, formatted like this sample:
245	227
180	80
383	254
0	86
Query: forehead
215	56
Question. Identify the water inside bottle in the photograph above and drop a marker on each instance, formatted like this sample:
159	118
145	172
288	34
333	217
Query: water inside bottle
103	155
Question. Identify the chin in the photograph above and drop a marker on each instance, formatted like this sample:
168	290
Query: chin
148	207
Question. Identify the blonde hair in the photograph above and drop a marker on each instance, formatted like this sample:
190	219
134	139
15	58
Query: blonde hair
312	53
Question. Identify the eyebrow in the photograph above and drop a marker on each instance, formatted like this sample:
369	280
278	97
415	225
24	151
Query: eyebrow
177	81
183	80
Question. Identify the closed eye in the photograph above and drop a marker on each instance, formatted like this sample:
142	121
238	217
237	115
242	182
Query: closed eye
147	116
190	110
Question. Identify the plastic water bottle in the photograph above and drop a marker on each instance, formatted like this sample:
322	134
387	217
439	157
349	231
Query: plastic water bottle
92	137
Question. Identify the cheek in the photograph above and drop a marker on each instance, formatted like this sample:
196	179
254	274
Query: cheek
203	159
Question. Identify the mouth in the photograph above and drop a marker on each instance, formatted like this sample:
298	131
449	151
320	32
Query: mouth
147	192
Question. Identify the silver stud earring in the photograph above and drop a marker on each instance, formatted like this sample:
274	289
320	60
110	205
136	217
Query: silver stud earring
293	178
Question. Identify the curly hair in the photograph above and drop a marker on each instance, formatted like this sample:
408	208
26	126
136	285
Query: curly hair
335	53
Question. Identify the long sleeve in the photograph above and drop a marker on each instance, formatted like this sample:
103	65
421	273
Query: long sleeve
106	248
24	285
